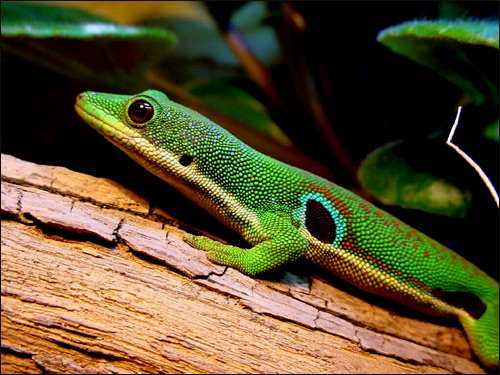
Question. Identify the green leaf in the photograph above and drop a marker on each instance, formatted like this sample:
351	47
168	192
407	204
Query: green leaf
80	45
262	39
416	175
491	131
463	51
203	48
226	97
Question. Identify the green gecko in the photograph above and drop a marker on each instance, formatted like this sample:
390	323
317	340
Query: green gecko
286	213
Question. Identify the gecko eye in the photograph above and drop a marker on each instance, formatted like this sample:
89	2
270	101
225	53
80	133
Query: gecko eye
140	111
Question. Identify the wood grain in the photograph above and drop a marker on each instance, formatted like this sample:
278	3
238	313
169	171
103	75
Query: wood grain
94	283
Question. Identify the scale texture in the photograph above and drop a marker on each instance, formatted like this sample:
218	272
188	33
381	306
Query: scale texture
286	213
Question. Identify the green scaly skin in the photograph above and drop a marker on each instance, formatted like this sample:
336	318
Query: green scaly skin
286	213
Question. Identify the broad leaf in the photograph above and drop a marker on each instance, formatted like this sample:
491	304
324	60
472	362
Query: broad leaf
463	51
492	131
410	175
77	44
202	49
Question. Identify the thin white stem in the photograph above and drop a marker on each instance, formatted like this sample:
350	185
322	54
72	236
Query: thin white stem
478	169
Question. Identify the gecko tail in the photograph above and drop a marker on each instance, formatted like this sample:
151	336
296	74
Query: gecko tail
483	333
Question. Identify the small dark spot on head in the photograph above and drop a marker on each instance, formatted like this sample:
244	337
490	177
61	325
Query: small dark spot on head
185	160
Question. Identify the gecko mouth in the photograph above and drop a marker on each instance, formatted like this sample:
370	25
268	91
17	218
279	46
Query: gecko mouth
114	130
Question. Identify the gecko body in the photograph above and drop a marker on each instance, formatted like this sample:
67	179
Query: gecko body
286	213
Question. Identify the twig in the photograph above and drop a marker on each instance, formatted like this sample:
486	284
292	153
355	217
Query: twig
478	169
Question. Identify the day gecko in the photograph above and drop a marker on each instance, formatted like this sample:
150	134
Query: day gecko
286	213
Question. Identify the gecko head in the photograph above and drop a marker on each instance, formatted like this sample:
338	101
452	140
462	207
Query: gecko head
149	117
152	129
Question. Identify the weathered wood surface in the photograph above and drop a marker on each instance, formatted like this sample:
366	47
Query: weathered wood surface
92	282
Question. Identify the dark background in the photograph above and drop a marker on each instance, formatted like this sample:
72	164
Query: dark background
371	95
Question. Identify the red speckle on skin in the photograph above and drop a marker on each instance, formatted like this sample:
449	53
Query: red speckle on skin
365	209
419	284
426	254
453	255
440	249
491	282
395	224
382	218
416	234
337	202
411	232
466	263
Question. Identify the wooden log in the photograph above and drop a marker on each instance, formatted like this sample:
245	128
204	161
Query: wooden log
92	282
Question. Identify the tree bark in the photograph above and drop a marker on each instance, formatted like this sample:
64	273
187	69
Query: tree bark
96	281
